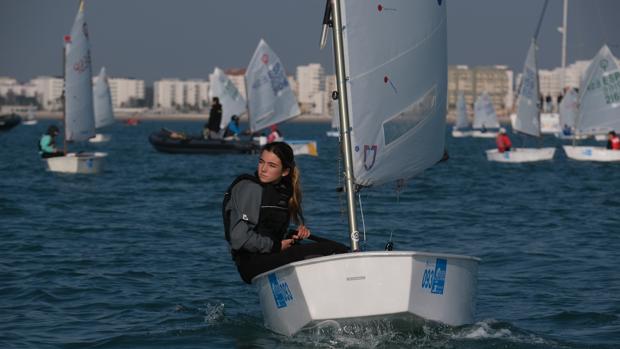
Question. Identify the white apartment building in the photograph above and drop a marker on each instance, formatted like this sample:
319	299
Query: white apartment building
175	93
48	91
311	82
125	92
11	85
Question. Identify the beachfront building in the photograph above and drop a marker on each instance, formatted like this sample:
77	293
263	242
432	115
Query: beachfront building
311	88
14	93
496	80
178	95
49	92
127	92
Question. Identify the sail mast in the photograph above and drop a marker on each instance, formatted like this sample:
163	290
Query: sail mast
64	93
564	33
345	129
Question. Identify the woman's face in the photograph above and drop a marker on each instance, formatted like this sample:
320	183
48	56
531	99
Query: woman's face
270	168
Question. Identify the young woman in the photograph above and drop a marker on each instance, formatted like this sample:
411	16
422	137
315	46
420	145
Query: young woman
257	212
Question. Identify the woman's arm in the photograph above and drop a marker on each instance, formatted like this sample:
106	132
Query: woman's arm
246	200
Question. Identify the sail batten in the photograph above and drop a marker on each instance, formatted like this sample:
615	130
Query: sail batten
79	111
396	87
270	97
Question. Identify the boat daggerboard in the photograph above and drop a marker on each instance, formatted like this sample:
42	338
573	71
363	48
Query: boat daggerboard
600	95
270	98
397	86
102	101
79	111
232	102
528	113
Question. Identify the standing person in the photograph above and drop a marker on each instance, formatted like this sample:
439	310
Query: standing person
613	141
212	130
275	135
503	141
47	143
257	211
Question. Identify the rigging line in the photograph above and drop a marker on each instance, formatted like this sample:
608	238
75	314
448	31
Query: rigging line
359	199
540	19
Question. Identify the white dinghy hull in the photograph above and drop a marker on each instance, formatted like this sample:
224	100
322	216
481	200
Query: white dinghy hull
519	155
354	286
84	163
587	153
480	134
303	147
461	134
100	138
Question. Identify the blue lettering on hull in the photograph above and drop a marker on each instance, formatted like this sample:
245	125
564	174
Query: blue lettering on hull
435	279
281	293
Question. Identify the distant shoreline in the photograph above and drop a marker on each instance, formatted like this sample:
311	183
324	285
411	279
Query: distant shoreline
44	115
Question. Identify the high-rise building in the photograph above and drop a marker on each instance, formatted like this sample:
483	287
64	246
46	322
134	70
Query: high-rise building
179	95
49	91
311	83
496	80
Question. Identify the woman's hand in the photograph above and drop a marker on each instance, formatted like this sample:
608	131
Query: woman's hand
286	243
302	233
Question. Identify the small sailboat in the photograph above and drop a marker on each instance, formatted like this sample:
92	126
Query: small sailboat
461	126
569	110
102	102
528	113
30	120
485	120
392	84
270	97
270	101
79	115
599	110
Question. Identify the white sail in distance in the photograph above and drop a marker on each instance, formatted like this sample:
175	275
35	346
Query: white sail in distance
397	86
569	109
232	102
461	113
484	112
79	111
528	112
270	98
600	95
102	100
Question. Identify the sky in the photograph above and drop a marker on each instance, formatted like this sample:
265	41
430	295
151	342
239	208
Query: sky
186	39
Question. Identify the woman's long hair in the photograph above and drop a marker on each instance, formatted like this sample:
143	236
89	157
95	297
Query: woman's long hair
285	153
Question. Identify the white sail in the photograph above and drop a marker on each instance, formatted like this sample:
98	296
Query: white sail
102	100
600	95
569	109
528	112
461	113
270	98
397	89
79	112
484	112
222	87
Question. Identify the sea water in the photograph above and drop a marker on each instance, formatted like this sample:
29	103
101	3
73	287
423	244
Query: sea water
135	257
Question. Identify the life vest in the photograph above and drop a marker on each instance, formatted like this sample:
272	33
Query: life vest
615	143
274	216
503	143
